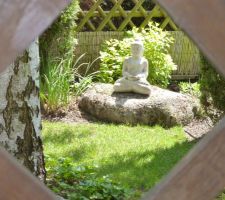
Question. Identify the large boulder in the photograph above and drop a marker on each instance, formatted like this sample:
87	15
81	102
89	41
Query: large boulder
162	107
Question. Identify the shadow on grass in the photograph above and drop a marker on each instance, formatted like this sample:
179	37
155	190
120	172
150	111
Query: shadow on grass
142	170
65	136
139	168
76	152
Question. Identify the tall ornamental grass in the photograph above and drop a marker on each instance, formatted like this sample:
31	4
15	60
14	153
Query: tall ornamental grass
63	81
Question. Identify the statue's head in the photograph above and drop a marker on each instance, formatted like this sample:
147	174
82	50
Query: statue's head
137	48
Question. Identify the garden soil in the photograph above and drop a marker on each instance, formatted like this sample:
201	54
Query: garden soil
72	114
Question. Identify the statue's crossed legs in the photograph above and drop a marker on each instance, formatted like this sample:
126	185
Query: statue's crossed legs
140	86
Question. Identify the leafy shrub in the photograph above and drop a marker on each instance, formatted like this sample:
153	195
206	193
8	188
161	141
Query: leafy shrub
60	39
81	182
156	42
190	88
212	86
221	196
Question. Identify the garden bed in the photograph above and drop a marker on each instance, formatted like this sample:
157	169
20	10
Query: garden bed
73	114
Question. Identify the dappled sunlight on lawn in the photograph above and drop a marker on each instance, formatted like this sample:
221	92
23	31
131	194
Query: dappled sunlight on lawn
143	169
136	156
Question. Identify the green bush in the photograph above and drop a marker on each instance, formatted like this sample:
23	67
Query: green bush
190	88
212	86
60	39
156	42
80	182
221	196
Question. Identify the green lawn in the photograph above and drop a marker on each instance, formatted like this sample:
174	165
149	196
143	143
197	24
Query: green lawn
138	157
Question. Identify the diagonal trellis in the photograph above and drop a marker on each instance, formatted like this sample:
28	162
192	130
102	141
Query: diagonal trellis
109	19
101	11
109	15
130	15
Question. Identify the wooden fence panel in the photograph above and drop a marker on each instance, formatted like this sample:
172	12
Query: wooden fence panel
21	22
19	184
204	25
186	56
201	175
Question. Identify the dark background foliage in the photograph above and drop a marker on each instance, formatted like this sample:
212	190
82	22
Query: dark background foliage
212	86
59	40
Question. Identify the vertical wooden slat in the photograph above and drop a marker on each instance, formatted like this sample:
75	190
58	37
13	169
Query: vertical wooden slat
22	21
16	183
201	174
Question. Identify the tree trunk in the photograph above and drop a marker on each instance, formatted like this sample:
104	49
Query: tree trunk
20	119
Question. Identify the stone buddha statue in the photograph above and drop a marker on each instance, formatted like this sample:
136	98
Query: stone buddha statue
135	72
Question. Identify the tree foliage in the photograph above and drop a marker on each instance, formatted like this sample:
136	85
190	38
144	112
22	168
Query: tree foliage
212	85
57	46
60	39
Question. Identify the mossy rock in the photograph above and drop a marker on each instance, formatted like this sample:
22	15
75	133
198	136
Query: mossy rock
162	107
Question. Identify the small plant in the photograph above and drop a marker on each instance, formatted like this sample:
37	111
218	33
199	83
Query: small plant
156	42
80	182
55	84
221	196
61	82
190	88
83	81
